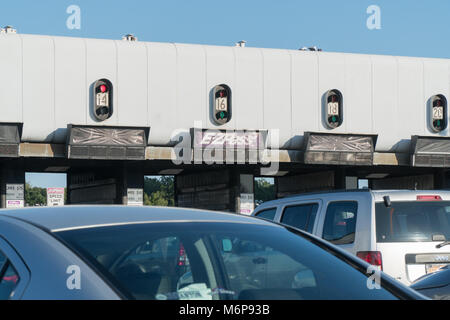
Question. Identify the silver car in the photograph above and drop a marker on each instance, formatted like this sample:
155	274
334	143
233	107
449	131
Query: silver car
404	233
110	252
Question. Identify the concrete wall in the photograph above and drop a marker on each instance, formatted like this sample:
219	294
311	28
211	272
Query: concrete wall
214	190
420	182
208	190
310	182
107	185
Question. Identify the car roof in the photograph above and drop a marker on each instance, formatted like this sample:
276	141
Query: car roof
408	195
395	195
79	217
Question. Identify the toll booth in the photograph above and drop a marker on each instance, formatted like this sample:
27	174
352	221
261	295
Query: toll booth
109	112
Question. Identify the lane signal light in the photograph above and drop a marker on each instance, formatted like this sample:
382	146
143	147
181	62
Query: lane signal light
333	117
222	104
103	99
438	114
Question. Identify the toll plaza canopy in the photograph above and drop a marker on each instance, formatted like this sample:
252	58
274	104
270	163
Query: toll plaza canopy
110	106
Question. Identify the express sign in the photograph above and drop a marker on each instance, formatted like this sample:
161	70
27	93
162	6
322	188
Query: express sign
229	139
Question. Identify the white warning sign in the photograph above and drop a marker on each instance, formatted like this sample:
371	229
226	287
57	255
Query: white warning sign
135	197
15	196
247	203
55	197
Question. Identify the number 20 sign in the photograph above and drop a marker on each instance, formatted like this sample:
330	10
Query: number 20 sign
438	113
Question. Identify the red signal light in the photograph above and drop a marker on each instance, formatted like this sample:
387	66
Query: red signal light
103	88
429	198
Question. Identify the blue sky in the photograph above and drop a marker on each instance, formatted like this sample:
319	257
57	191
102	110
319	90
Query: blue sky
408	28
46	180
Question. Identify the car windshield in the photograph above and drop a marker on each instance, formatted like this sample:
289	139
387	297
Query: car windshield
412	221
211	261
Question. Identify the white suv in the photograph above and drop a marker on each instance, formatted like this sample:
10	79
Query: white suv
403	232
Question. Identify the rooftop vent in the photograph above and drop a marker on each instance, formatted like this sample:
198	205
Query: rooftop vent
241	43
129	37
314	48
9	30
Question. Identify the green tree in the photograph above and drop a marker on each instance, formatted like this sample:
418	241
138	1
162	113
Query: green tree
264	190
159	191
35	196
159	198
168	187
147	200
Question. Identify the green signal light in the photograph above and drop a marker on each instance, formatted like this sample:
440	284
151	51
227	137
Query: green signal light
334	121
439	124
223	115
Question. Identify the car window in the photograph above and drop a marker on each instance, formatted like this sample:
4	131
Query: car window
301	216
157	266
211	261
9	278
340	222
268	214
247	270
410	221
2	260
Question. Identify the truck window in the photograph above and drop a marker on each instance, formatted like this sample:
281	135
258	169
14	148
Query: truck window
412	221
268	214
300	216
340	222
